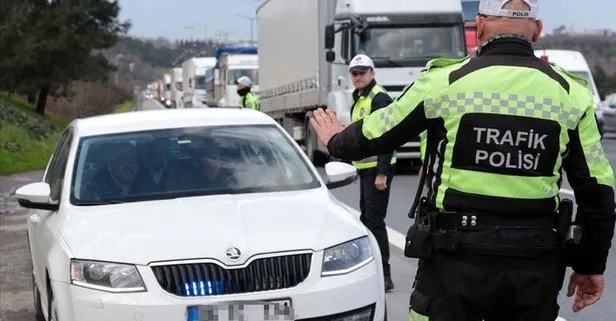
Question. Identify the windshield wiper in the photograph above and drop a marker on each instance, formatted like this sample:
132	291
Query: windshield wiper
103	202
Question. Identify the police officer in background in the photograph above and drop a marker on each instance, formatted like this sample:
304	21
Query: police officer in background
375	172
501	127
249	99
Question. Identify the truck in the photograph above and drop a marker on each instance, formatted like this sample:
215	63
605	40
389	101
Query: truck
176	88
470	10
231	64
166	99
193	81
305	47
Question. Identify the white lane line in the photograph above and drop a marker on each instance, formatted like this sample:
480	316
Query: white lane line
568	192
396	238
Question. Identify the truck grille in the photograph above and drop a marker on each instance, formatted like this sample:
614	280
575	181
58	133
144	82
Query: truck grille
208	279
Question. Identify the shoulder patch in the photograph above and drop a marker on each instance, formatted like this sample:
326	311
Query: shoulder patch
582	81
443	62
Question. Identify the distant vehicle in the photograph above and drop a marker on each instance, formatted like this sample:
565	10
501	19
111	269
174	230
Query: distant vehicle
231	64
224	208
297	76
609	113
193	78
167	90
176	88
575	63
470	10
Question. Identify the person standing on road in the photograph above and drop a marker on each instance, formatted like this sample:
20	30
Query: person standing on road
249	99
376	172
501	127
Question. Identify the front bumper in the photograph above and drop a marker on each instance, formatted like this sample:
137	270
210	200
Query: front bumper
316	297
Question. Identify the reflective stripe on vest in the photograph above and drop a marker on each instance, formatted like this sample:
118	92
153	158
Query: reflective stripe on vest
414	316
361	109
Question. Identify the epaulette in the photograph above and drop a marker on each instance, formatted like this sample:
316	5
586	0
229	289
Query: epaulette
443	62
581	80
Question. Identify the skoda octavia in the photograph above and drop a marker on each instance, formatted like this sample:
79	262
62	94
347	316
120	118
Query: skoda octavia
171	215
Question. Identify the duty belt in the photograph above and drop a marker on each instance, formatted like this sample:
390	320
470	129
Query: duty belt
462	231
474	221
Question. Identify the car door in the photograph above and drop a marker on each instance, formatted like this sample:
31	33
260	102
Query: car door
43	224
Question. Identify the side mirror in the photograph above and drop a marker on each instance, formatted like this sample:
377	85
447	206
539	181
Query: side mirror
340	174
330	56
330	37
216	77
36	196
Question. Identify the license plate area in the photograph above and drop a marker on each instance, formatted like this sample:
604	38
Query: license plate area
267	310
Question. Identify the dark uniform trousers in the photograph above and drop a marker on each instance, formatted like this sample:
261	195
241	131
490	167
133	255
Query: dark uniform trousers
468	286
373	206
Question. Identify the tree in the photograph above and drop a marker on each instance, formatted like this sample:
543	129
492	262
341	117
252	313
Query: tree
54	42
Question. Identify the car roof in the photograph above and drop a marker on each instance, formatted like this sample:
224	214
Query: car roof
167	118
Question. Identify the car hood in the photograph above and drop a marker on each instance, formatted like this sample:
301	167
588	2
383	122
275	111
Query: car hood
206	226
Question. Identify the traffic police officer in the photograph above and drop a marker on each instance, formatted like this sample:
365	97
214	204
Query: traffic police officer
501	127
375	172
249	99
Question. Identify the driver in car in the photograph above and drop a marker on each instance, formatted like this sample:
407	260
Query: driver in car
212	168
124	175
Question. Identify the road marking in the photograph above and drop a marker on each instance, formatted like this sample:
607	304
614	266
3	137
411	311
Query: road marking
16	301
568	192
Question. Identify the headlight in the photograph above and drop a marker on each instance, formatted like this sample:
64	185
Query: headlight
347	257
105	276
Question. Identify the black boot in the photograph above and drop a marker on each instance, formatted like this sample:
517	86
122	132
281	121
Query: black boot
389	284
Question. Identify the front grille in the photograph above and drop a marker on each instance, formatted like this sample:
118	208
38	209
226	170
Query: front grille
207	279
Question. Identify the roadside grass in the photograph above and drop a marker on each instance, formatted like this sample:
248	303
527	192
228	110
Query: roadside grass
26	138
125	107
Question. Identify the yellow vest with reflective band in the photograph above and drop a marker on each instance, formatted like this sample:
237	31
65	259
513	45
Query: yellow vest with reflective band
361	109
251	101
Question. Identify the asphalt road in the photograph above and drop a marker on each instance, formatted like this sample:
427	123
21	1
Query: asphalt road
16	298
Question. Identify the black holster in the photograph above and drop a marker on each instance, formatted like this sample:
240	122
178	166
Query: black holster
419	236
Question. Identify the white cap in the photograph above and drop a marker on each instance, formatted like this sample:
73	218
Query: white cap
361	62
495	8
244	81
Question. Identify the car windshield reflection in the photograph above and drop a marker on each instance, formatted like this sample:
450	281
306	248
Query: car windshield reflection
183	162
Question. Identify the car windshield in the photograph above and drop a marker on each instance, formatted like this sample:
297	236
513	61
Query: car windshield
234	74
412	43
199	82
183	162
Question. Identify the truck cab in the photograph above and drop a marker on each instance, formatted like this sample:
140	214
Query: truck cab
400	36
470	10
231	64
193	76
166	100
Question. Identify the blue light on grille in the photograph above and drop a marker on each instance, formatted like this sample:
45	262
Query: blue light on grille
204	288
193	314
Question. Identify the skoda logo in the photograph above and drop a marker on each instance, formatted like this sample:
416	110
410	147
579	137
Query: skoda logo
233	253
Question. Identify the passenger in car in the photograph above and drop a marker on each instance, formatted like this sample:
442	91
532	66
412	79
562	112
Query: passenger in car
124	175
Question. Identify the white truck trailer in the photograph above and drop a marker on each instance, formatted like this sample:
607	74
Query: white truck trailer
305	47
231	64
193	79
176	88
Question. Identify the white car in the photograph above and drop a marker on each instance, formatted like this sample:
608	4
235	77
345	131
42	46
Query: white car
168	214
